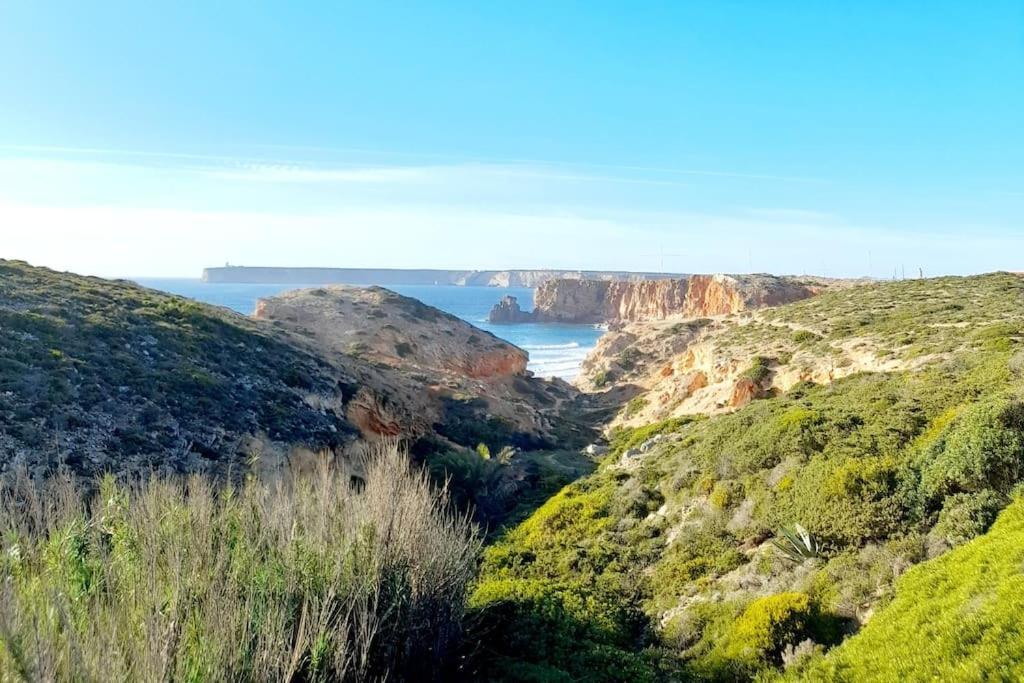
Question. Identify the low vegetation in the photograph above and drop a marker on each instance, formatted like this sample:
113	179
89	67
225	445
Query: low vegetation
101	375
863	529
318	577
667	559
953	618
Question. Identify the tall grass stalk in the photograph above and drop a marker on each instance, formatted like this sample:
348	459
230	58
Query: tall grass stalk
313	577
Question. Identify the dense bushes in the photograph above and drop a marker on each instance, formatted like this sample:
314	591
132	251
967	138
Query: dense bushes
677	533
305	579
700	552
767	625
983	449
549	601
966	515
953	618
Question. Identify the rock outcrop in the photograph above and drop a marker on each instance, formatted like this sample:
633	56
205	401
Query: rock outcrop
744	391
472	387
593	301
715	364
507	311
381	326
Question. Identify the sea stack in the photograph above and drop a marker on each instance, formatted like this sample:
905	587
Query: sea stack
508	311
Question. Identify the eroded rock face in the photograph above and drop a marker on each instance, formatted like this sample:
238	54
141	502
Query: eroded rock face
591	301
447	378
744	391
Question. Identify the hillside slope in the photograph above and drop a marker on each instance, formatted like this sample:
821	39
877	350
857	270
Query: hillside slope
953	618
662	564
102	375
684	366
109	376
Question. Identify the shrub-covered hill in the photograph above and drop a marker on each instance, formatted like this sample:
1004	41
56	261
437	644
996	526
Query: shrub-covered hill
663	564
109	376
711	365
955	618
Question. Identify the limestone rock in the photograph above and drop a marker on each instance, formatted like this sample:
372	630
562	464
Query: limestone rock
445	375
693	296
384	327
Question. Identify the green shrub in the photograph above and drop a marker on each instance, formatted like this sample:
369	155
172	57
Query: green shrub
766	626
697	553
759	370
624	438
845	502
805	337
548	601
966	515
982	449
635	405
955	618
726	494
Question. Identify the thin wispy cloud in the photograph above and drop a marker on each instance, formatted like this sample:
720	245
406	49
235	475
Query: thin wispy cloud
245	167
72	202
297	173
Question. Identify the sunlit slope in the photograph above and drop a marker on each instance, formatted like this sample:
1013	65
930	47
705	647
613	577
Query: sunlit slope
661	565
955	618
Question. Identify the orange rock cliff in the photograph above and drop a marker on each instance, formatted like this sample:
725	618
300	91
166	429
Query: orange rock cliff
592	301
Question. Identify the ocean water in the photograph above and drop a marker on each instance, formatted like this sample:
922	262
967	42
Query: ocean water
555	350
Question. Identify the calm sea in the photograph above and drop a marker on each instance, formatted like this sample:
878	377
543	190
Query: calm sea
555	350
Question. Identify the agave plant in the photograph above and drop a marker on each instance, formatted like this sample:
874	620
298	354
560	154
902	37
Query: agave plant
797	544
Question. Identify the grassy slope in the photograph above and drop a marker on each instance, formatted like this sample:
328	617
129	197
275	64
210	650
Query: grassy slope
953	618
658	566
103	374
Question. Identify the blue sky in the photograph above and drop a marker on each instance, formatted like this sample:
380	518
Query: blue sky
835	138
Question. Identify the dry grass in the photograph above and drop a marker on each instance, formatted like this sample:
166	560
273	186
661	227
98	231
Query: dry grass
311	578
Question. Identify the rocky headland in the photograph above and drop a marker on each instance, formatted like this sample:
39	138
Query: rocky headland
602	301
470	384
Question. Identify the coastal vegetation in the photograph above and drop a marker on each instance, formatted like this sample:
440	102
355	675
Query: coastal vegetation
667	559
953	618
103	375
313	577
863	527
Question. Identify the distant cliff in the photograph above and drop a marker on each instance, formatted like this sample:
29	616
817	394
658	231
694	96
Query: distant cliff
398	276
591	301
